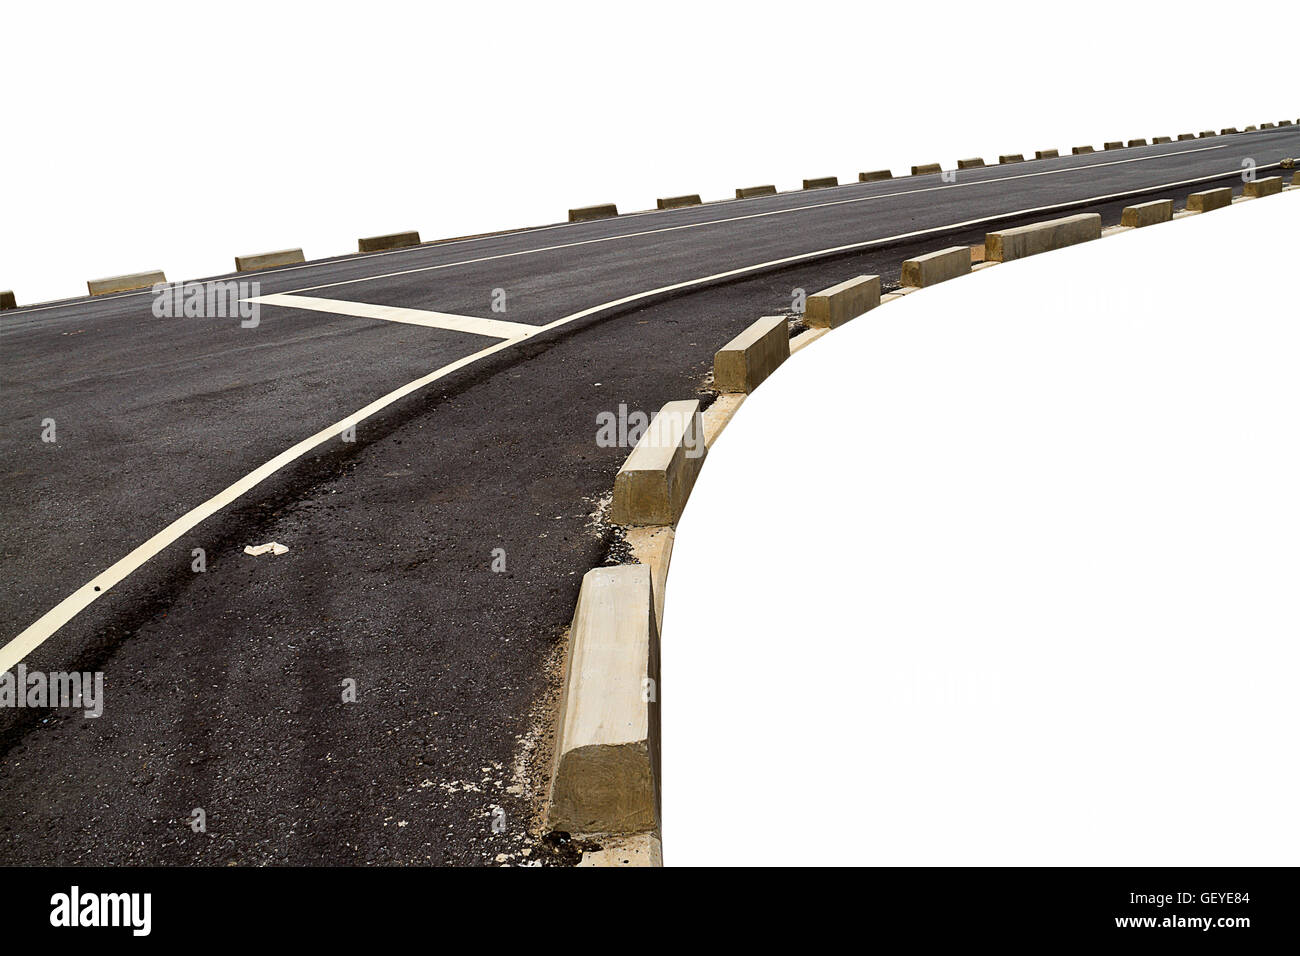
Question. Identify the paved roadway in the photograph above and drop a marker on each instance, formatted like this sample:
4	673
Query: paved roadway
223	688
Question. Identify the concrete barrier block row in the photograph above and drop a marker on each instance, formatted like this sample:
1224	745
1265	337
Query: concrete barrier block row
1017	243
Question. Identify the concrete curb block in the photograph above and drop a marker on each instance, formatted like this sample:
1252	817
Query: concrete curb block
1137	142
1206	134
749	192
394	240
126	283
875	176
678	202
653	484
1046	154
588	213
1295	181
1011	158
743	363
1186	136
1114	144
974	163
935	267
1081	150
821	182
1263	187
1267	126
605	777
1148	213
1209	199
1008	244
267	260
1161	140
831	308
1230	131
926	169
7	300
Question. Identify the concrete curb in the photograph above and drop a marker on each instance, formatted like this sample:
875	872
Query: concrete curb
935	267
821	182
605	778
975	163
1209	199
1161	140
588	213
1046	154
1263	187
1136	142
678	202
1082	150
7	300
749	192
1115	144
394	240
1008	244
831	308
267	260
743	363
126	283
1011	158
652	486
1147	213
875	176
926	169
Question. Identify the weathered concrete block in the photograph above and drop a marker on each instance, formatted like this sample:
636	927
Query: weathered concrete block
1115	144
677	202
1184	136
1263	187
1162	139
657	478
973	163
394	240
606	774
1046	154
588	213
1231	130
926	169
875	176
936	267
749	192
7	300
743	363
1283	122
831	308
1250	129
1209	199
1148	213
821	182
268	260
1081	150
1206	133
126	283
1295	181
1137	142
1008	244
1011	158
1267	126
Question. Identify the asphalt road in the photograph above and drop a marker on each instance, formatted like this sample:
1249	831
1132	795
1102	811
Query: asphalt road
223	688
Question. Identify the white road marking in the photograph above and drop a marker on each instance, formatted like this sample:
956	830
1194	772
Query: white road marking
391	313
45	626
655	212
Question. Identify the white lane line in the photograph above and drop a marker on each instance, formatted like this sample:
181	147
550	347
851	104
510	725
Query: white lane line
45	626
650	232
391	313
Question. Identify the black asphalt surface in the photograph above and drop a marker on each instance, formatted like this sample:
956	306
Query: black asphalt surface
223	688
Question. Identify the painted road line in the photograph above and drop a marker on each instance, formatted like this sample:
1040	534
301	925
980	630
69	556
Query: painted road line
37	633
391	313
70	303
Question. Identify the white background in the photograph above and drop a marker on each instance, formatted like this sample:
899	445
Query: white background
1006	572
176	136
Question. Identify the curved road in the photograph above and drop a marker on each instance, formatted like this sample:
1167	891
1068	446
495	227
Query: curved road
393	429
